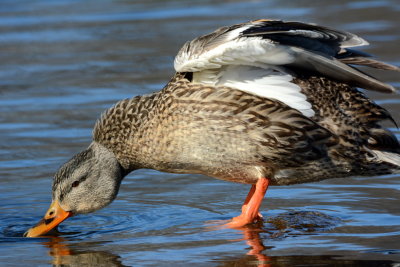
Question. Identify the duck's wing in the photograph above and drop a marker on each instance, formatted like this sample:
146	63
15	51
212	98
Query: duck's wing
352	57
268	53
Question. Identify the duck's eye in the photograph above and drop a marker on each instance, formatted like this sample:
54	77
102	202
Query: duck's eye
75	184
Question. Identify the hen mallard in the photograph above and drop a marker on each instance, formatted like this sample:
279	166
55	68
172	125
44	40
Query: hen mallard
264	103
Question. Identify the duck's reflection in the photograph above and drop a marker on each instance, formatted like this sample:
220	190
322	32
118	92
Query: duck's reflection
252	237
64	255
256	255
257	249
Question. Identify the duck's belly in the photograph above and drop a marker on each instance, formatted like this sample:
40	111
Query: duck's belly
326	168
237	173
229	158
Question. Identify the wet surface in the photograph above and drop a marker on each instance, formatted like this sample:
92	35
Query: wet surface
63	62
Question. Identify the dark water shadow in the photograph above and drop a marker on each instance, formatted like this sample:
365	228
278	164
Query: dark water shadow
290	224
319	260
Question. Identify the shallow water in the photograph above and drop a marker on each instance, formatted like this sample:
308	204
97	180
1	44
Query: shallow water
63	62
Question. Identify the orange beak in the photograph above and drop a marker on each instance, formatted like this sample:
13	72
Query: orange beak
54	216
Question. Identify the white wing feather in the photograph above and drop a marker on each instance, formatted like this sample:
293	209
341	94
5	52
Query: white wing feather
247	64
241	51
259	81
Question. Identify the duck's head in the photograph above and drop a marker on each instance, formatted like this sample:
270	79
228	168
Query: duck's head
86	183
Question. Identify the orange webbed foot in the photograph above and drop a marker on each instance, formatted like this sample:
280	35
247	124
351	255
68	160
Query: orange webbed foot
251	205
243	220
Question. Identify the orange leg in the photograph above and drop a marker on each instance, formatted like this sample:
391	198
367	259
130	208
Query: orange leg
246	202
251	205
249	196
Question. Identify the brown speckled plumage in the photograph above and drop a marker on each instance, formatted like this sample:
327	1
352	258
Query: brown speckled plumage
232	135
217	131
354	120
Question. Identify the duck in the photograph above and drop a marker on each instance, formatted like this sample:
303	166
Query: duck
265	102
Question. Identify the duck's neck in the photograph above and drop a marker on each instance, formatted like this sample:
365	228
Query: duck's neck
127	128
121	128
108	159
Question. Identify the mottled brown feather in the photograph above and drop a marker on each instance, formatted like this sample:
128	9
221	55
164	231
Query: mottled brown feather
229	134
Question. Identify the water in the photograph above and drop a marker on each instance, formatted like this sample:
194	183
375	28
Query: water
63	62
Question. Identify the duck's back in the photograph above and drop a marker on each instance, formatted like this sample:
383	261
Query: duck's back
363	146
